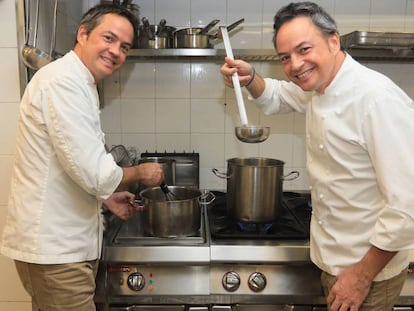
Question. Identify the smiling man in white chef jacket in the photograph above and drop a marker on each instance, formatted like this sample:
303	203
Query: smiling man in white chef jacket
62	172
359	131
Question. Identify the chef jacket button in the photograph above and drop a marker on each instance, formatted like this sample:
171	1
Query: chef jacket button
320	222
310	187
321	146
321	196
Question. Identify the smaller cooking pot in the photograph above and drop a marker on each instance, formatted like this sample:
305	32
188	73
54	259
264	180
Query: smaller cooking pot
156	37
196	38
176	218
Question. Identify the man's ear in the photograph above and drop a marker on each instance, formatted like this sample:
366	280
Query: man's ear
82	34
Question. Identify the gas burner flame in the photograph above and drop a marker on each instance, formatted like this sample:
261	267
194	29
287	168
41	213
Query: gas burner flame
254	227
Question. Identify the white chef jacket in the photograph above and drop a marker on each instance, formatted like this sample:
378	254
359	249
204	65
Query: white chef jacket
360	162
61	170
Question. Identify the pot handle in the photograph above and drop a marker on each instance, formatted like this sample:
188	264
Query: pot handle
206	198
220	174
139	205
287	178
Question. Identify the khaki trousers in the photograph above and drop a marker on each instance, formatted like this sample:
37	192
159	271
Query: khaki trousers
382	296
60	287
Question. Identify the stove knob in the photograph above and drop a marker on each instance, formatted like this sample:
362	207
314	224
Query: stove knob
231	281
136	281
257	282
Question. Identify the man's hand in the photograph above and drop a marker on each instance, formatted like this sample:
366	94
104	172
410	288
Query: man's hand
122	204
349	291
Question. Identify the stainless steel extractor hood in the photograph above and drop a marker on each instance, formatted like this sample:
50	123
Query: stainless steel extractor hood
385	46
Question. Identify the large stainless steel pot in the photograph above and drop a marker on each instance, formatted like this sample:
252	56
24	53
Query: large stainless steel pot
195	38
164	218
255	188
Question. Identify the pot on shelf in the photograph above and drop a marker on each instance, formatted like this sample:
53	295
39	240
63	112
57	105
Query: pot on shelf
254	188
196	38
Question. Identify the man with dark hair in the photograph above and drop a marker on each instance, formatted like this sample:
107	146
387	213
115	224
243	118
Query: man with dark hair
358	124
62	172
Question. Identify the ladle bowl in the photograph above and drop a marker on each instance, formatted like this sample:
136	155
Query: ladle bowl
35	58
252	133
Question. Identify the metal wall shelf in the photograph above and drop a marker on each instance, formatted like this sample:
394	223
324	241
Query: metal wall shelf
387	55
202	54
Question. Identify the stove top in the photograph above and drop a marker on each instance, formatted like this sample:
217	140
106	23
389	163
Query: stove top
292	224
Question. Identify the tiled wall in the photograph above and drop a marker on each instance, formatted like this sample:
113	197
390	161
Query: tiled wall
12	295
184	106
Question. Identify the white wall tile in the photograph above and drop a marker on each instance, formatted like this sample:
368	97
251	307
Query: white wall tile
176	12
278	146
204	144
141	142
409	17
111	86
8	121
279	123
172	116
237	149
8	37
210	181
147	9
9	83
207	116
299	151
203	12
138	80
387	15
352	15
138	115
173	142
206	81
113	139
172	80
111	115
232	118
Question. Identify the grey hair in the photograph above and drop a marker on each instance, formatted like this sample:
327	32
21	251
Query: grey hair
93	17
317	14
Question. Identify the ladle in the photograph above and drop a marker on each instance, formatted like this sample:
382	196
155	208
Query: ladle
245	133
33	57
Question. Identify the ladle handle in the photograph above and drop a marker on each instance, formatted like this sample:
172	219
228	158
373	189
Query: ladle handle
234	77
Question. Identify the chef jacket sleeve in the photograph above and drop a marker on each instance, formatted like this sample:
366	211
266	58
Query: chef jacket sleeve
280	96
71	113
389	129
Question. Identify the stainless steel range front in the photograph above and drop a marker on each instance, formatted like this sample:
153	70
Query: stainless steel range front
227	265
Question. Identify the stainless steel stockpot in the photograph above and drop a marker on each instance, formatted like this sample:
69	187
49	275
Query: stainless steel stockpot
254	188
181	217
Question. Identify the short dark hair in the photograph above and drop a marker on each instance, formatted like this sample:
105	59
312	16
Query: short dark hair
94	15
317	14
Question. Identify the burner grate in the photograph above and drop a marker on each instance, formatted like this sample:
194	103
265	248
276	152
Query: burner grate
292	224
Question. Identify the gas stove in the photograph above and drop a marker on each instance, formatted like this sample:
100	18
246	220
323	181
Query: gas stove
226	265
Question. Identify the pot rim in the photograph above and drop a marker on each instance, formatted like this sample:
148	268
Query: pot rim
256	161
